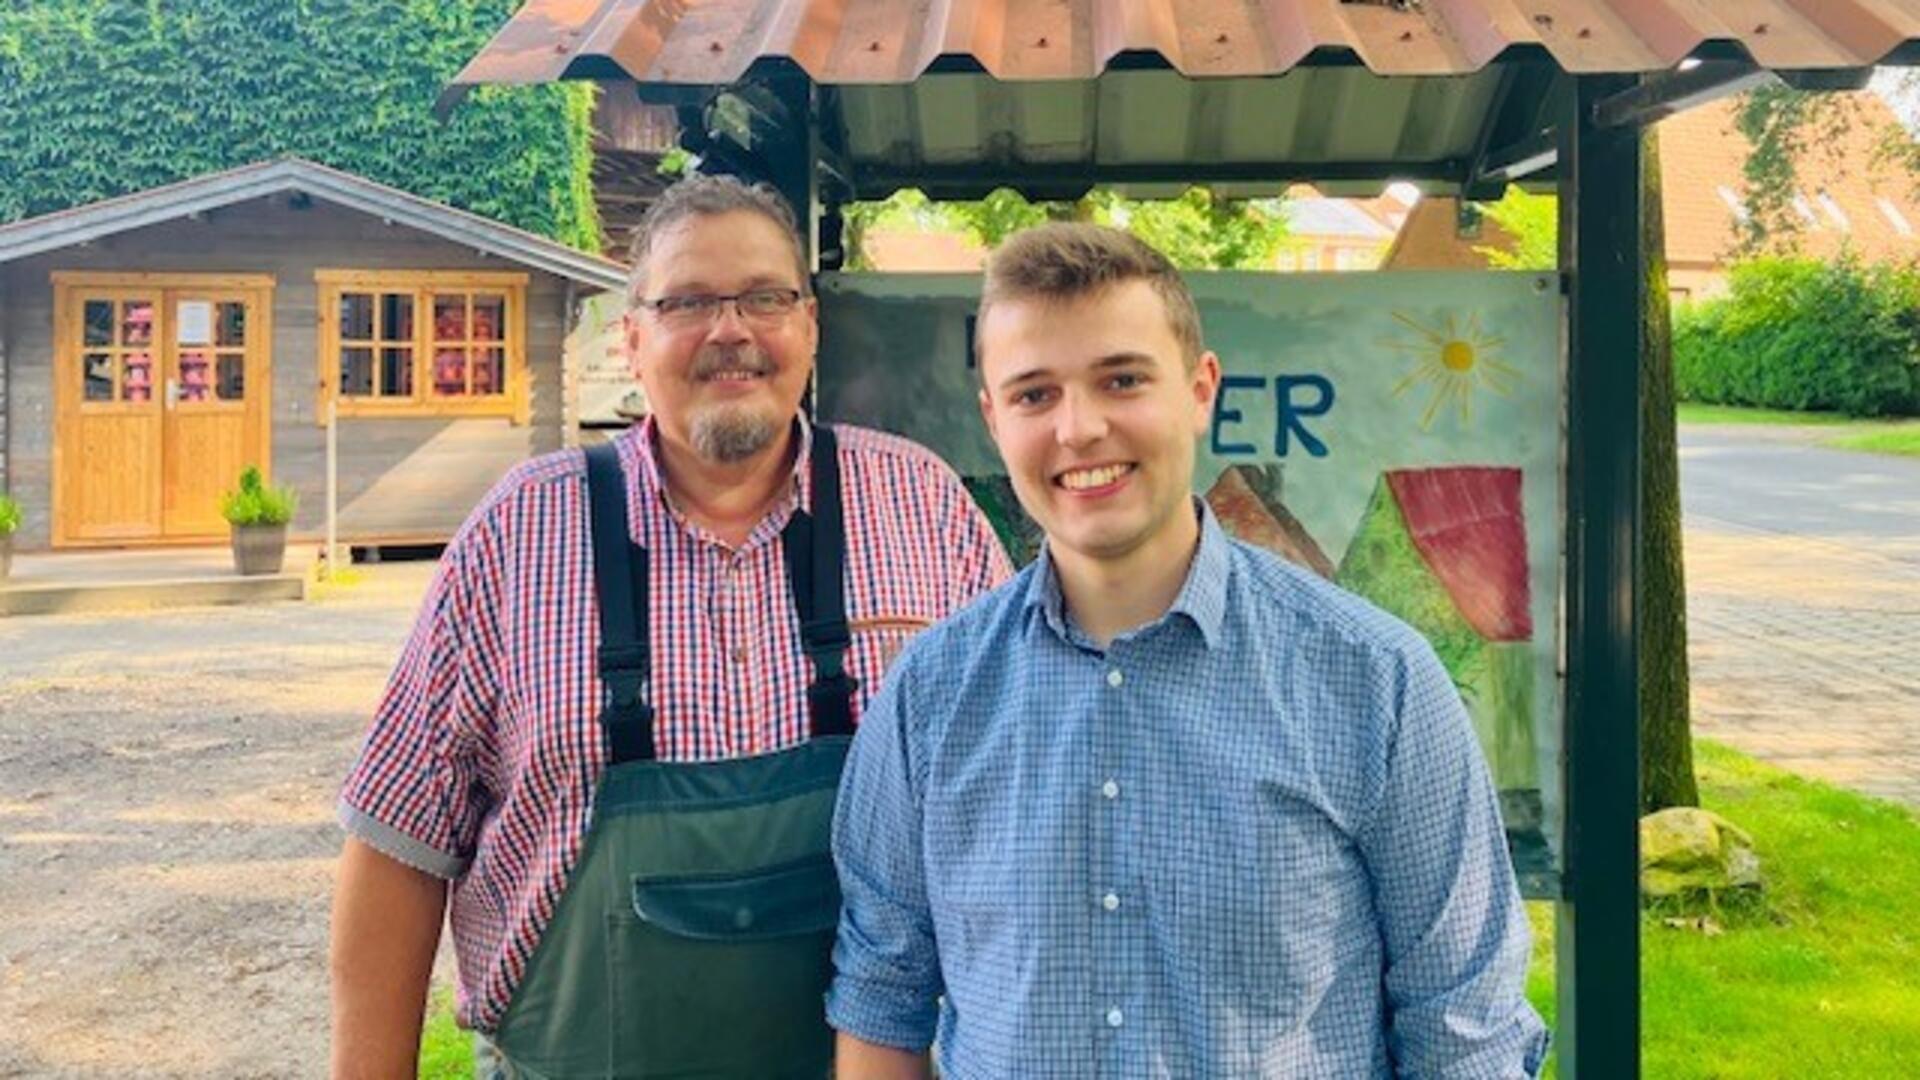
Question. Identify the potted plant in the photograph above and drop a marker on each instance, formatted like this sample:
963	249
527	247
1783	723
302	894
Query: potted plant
9	524
259	515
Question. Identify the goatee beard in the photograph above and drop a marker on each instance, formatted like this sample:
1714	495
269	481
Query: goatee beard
730	436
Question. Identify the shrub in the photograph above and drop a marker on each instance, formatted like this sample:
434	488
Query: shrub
257	504
1804	335
9	516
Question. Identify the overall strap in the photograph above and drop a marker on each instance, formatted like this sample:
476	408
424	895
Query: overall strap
816	546
620	586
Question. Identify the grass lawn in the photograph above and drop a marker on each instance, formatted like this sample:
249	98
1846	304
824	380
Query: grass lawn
1873	436
1902	439
1691	412
1820	982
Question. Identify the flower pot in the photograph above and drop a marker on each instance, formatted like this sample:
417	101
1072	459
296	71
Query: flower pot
6	556
259	549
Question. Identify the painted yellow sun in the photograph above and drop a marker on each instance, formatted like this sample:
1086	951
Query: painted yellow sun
1456	359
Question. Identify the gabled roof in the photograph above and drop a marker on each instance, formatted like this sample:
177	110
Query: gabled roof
81	224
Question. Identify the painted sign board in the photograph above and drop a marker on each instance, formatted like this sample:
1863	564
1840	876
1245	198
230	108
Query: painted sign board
1397	433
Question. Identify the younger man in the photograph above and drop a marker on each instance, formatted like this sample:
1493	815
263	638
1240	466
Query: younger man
1165	804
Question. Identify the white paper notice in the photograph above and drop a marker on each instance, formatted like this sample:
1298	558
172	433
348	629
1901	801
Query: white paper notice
195	320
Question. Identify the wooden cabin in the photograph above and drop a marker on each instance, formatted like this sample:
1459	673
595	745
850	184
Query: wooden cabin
154	345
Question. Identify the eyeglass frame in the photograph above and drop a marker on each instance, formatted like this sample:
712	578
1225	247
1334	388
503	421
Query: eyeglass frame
719	302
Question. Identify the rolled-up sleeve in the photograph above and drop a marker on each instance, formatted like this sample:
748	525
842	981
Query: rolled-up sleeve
887	972
413	793
1455	930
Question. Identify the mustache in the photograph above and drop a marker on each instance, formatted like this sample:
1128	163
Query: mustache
714	359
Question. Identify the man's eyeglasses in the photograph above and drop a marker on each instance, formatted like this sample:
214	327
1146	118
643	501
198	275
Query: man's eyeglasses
699	309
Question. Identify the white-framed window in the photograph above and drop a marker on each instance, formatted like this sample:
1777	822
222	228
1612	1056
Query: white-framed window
1805	210
1733	201
1893	215
1837	215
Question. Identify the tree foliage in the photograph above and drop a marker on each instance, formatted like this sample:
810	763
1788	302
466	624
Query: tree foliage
1196	230
105	97
1534	223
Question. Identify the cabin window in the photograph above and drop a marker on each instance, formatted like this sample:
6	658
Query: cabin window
430	343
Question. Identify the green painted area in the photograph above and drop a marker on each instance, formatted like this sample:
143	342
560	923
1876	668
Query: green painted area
1816	981
1495	679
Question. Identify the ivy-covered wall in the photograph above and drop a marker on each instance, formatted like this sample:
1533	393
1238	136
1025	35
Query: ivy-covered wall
105	97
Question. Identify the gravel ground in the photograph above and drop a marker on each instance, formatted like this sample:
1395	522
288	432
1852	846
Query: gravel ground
166	829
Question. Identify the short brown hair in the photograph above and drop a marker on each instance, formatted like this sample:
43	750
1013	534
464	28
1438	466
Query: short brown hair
1069	260
701	195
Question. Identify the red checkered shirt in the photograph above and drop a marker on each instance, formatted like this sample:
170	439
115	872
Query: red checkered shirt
482	760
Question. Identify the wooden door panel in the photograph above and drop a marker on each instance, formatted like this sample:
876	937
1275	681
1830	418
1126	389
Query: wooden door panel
113	487
211	398
109	414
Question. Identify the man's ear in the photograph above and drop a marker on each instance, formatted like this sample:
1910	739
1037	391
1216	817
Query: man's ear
1205	382
630	332
986	413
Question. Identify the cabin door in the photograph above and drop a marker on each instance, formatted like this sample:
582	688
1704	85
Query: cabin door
162	401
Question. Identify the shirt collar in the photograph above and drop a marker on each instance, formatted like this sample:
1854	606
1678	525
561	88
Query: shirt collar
643	445
1202	598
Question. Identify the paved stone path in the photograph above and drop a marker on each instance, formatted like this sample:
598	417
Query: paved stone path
1805	628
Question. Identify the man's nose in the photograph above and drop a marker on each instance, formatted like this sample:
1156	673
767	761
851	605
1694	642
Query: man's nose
1080	421
729	326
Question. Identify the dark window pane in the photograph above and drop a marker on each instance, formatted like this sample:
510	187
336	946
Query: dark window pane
97	369
230	324
396	372
490	318
356	316
450	372
136	377
356	372
232	384
98	323
489	370
396	317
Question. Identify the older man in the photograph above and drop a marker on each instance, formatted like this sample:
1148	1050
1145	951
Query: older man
614	737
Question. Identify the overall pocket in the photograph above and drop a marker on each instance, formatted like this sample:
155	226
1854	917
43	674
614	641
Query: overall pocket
725	975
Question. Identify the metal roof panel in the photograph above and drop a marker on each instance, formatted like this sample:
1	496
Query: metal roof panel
852	42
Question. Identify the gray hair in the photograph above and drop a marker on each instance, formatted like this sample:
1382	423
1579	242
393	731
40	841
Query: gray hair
701	195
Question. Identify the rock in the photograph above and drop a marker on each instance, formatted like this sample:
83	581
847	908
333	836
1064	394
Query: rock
1684	849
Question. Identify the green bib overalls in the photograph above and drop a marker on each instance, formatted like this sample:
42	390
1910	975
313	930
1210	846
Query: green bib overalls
695	935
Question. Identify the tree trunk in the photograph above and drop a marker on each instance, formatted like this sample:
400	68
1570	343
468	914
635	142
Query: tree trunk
1666	742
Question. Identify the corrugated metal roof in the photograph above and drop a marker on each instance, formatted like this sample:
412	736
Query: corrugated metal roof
851	42
80	224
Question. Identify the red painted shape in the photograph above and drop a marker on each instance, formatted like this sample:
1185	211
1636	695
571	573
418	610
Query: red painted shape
1468	525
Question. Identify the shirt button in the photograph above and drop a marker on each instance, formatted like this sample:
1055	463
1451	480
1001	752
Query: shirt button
1111	902
1114	678
739	656
1115	1018
1110	789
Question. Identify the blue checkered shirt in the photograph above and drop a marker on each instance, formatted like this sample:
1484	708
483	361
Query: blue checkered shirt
1253	838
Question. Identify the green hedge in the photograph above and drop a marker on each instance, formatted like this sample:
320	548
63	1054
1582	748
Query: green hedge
105	97
1804	335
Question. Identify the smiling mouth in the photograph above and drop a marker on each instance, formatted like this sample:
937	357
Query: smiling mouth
1093	478
733	375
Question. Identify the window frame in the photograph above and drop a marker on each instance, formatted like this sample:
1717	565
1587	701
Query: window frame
512	404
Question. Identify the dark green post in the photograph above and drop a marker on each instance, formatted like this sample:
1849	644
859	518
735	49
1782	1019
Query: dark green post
1598	926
